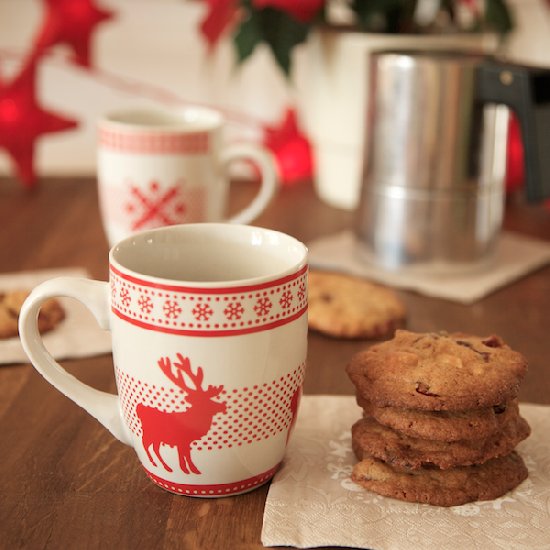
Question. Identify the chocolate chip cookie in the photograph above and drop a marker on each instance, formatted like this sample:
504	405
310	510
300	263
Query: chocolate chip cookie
443	425
343	306
369	438
453	487
51	313
438	372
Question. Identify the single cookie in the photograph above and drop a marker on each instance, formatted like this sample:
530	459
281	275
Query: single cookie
442	487
51	313
8	323
443	425
438	372
369	438
350	307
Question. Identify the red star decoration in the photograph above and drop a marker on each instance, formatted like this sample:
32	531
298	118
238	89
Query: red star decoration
22	121
514	155
304	10
219	16
291	149
70	22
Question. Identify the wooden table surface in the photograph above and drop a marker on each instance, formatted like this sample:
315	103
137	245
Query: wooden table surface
65	482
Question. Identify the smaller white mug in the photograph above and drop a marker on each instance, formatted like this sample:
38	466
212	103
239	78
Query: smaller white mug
158	168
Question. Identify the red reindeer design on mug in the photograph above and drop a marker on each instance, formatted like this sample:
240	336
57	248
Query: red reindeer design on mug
180	429
243	321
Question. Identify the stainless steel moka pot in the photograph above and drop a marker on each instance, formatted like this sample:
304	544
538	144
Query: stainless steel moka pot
434	173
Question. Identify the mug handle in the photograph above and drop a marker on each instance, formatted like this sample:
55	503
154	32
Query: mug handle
95	296
268	184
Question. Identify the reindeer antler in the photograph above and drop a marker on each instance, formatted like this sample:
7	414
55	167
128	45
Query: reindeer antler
166	367
182	366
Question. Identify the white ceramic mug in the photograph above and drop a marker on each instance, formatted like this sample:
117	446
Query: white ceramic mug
209	332
158	168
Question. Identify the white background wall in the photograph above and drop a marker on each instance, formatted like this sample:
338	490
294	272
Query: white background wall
152	50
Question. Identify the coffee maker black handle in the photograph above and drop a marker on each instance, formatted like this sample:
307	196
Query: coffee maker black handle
526	91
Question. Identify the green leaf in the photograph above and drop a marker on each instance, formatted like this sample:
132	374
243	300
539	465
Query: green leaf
247	37
282	33
498	17
276	28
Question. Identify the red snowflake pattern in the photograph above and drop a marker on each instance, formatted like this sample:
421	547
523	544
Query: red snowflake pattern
145	304
171	309
202	312
125	297
234	311
286	299
155	205
262	307
186	311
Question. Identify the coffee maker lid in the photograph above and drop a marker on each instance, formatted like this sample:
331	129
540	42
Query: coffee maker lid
444	56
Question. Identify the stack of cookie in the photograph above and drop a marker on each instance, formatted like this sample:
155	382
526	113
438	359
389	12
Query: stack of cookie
440	418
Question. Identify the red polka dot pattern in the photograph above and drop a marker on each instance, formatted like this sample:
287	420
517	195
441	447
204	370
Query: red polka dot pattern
253	413
159	142
220	489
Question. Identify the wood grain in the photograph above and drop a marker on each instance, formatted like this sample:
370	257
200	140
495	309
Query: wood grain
66	483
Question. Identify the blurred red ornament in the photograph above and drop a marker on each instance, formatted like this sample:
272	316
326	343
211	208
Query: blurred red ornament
22	121
472	5
515	171
291	149
303	11
219	16
70	22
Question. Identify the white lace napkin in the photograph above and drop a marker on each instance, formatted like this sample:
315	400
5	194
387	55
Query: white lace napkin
313	502
78	335
514	257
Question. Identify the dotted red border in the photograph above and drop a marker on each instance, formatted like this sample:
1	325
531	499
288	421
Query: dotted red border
155	142
217	490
